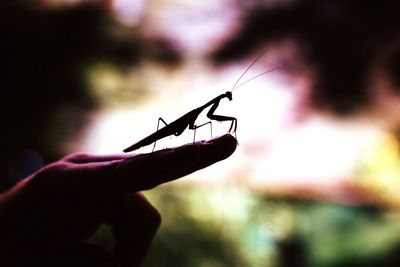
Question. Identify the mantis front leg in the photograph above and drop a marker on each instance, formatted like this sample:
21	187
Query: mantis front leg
212	116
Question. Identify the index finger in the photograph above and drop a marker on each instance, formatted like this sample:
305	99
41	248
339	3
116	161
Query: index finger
145	171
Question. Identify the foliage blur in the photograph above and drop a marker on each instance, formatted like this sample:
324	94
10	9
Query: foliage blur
65	62
231	226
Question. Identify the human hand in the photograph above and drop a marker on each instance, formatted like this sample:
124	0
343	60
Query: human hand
47	217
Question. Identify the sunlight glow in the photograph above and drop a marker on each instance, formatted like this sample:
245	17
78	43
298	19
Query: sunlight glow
272	151
318	153
315	155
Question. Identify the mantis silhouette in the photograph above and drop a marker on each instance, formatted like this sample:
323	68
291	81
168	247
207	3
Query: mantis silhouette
178	126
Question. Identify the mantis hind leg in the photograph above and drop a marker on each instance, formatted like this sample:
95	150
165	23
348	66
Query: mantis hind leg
158	127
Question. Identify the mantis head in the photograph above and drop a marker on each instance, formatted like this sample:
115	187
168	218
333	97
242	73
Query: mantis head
229	95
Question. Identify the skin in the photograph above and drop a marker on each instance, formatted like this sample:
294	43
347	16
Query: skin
47	217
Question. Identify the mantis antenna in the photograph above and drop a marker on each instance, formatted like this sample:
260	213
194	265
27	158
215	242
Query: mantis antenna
254	62
255	77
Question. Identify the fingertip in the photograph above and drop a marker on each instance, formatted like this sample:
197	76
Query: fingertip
225	144
216	149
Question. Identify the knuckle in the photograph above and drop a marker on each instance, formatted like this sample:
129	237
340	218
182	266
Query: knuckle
75	156
149	215
153	217
49	172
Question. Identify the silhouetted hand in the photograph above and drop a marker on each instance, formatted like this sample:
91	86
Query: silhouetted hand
46	218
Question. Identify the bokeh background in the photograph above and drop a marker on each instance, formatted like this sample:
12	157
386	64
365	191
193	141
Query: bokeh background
315	180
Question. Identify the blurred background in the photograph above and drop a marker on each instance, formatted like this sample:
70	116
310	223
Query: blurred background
315	180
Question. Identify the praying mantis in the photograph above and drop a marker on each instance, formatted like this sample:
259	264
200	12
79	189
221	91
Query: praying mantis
188	120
